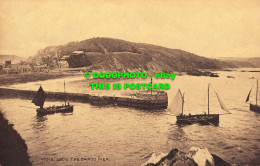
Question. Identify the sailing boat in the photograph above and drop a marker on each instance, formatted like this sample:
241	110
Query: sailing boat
39	100
254	107
199	118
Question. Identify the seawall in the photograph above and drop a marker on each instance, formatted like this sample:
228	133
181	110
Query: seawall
143	103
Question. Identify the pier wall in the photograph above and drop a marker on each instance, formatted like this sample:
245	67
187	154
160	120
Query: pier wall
87	98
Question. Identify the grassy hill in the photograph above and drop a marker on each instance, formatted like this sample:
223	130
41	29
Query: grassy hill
119	55
243	62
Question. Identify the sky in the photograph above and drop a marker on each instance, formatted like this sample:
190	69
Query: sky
219	28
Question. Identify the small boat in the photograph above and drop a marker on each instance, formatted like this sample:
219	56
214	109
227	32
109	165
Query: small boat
254	107
39	100
230	77
213	75
198	118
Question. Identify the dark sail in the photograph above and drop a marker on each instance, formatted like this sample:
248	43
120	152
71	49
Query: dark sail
39	98
248	96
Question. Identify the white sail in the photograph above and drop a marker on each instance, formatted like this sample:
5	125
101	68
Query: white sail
176	105
222	105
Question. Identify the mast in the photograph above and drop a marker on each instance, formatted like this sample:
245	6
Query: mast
64	93
256	90
182	104
152	86
208	99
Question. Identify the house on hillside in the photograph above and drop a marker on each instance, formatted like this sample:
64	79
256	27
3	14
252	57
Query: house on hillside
18	68
8	64
78	53
78	59
41	68
63	64
1	67
25	68
15	68
65	57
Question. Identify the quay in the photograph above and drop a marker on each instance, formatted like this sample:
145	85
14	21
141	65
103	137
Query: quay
142	101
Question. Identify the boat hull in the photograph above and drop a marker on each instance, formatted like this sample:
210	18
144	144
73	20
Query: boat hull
255	108
53	110
200	118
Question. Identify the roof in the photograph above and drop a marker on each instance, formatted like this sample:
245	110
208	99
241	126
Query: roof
78	52
65	57
40	66
25	66
14	66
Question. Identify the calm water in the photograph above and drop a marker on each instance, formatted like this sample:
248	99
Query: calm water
126	136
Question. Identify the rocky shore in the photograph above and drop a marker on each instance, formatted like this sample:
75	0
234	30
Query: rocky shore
196	157
13	150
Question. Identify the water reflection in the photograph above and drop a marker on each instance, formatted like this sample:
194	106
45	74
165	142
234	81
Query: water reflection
39	123
176	133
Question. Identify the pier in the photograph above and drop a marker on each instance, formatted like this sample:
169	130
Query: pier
157	101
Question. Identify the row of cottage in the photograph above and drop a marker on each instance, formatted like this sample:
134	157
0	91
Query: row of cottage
9	68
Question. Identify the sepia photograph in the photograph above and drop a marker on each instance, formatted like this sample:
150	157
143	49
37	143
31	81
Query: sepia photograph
129	83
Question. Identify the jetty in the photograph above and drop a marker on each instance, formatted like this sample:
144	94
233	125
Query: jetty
158	100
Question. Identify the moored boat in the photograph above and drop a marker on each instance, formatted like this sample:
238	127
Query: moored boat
254	107
39	100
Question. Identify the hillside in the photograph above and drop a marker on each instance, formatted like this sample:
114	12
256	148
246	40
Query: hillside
119	55
243	62
13	58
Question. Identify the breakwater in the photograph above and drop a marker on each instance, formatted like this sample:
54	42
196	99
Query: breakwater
156	101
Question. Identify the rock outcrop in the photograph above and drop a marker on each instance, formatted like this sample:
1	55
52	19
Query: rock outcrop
196	157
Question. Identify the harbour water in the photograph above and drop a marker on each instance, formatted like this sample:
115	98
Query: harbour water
111	135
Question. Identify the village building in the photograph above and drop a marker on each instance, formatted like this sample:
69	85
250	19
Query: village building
8	64
41	68
15	68
18	68
25	68
65	57
1	67
63	64
78	54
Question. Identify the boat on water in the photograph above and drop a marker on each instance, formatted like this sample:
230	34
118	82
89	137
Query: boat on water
206	118
254	107
39	100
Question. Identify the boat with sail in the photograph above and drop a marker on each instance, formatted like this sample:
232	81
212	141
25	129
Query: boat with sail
206	118
39	100
254	107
